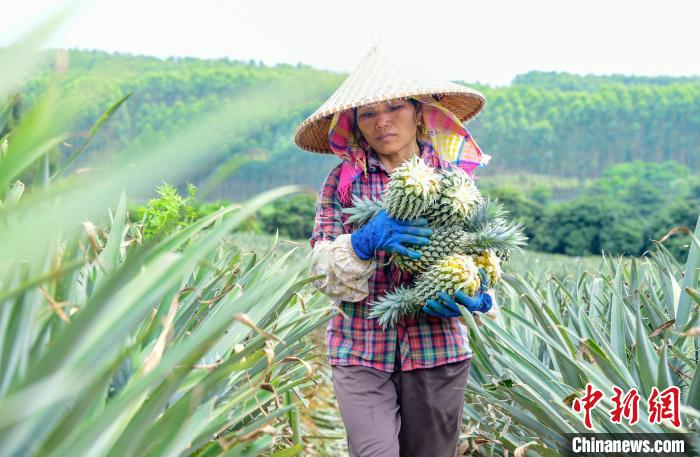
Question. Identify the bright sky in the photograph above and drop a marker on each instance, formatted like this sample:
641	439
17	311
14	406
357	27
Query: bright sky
489	41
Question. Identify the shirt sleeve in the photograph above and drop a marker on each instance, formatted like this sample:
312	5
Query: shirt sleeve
346	275
328	223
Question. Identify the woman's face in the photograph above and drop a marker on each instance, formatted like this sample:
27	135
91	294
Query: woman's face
389	127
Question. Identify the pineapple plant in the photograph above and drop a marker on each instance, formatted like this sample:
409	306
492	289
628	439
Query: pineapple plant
629	323
451	274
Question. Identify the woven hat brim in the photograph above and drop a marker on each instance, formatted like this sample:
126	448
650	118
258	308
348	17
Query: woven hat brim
312	134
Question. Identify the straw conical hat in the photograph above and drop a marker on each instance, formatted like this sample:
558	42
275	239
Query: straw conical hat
377	79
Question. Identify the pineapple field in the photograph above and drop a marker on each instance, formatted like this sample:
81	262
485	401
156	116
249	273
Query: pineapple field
563	322
176	335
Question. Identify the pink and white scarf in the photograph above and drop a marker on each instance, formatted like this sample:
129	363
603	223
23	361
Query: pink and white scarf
450	140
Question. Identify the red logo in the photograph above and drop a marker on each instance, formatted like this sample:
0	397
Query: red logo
587	403
627	407
665	405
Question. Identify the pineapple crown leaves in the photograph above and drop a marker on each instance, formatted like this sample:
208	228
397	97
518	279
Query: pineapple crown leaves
504	237
362	210
457	197
392	307
489	211
416	177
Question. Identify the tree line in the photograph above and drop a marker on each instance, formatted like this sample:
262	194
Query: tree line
621	213
552	124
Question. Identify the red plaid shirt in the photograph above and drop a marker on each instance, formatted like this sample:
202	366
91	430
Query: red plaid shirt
354	339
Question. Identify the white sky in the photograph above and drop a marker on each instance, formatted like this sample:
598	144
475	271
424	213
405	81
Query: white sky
489	41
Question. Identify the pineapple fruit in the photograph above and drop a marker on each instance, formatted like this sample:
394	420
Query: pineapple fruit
456	239
444	241
456	198
416	190
491	264
412	190
451	274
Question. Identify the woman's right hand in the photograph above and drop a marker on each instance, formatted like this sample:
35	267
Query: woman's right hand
384	233
446	306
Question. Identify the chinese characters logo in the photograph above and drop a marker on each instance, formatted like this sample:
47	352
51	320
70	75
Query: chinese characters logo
663	405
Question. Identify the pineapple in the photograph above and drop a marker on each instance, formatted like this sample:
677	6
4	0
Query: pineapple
363	209
457	196
490	262
463	222
469	232
412	189
501	238
444	198
451	274
444	241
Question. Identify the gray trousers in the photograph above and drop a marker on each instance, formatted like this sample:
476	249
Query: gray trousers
414	413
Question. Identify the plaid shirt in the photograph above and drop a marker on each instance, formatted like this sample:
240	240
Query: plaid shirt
425	341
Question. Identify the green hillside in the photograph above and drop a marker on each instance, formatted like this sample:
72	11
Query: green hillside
549	124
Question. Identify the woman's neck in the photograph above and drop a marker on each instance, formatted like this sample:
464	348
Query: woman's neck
393	161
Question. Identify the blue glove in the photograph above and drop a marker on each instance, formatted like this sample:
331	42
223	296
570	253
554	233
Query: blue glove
384	233
446	306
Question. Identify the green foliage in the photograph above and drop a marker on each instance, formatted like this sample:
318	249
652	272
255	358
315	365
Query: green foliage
293	217
531	213
588	226
577	133
110	346
591	83
622	212
169	212
170	94
662	195
647	187
251	224
680	214
9	115
541	194
622	323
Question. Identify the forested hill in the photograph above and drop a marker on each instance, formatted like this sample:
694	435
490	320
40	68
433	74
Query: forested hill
568	82
544	123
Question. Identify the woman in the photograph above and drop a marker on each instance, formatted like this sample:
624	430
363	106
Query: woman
400	390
